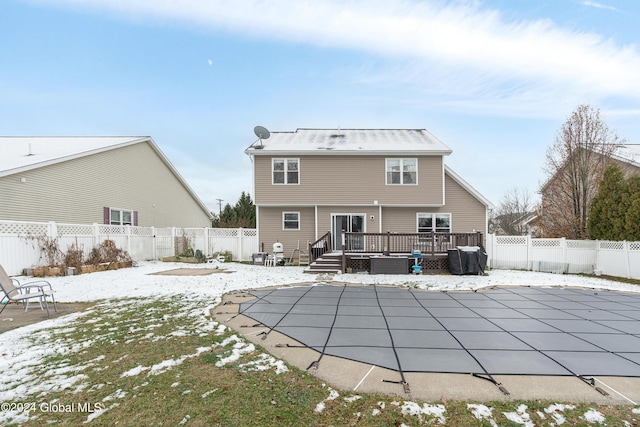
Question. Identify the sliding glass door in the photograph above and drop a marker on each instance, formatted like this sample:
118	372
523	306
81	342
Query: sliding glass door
349	223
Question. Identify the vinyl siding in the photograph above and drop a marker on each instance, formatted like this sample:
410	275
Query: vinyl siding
270	232
75	191
468	214
353	180
370	225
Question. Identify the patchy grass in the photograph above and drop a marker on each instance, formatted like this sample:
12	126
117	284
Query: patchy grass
163	362
616	279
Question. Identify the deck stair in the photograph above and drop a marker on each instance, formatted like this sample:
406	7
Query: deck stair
327	263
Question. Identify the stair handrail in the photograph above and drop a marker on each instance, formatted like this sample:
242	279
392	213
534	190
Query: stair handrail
320	247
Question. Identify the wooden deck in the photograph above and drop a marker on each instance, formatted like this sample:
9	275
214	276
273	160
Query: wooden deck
358	249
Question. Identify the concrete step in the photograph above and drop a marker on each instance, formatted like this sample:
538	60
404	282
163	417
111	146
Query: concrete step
320	271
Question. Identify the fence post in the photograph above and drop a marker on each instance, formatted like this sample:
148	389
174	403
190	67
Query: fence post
154	243
563	246
240	238
173	241
127	231
626	257
490	250
96	234
529	265
206	241
52	230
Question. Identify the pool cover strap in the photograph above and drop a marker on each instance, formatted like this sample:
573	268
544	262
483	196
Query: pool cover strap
404	383
316	363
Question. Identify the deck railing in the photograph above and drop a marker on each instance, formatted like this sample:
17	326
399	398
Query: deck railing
320	247
389	243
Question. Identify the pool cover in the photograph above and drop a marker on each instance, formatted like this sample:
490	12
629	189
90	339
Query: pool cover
505	331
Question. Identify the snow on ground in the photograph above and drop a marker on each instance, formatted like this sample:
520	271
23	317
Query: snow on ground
21	355
139	282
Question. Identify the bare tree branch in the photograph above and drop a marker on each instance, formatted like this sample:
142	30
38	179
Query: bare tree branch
574	166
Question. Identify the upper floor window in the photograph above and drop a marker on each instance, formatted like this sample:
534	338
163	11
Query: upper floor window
428	222
402	171
286	171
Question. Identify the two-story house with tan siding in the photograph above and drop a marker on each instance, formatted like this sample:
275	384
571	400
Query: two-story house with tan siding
86	180
313	181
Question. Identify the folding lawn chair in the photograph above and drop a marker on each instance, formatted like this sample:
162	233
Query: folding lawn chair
15	292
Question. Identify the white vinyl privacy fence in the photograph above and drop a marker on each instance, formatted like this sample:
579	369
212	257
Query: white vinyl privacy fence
18	251
620	259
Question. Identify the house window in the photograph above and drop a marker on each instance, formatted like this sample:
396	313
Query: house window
286	171
402	171
114	216
428	222
291	220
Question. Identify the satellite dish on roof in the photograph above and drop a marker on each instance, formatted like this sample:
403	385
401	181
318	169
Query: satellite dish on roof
262	133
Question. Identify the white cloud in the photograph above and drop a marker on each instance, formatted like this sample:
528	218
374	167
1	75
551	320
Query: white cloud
598	5
461	50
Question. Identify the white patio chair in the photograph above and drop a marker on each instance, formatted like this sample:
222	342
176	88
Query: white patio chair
13	291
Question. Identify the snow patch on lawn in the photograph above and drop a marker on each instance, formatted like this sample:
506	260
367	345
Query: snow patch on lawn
263	363
593	416
240	348
333	395
412	408
520	416
482	412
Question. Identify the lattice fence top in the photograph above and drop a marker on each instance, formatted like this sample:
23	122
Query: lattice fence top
164	232
511	240
546	243
581	244
141	231
74	230
112	229
23	228
223	232
612	245
634	246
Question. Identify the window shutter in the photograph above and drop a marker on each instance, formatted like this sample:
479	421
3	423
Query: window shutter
135	218
105	215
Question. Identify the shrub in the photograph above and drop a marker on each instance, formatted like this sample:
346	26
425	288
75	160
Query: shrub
107	252
49	249
74	257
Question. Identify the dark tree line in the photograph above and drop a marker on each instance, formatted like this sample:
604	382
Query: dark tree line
242	214
615	211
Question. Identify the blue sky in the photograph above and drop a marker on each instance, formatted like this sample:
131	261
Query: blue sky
493	79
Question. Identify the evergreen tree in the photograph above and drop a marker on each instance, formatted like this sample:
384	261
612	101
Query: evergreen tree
228	217
607	212
632	214
245	211
242	214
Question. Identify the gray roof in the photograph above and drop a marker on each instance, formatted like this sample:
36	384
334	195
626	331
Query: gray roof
628	153
350	142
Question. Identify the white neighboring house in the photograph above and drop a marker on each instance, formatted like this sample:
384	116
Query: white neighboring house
104	180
